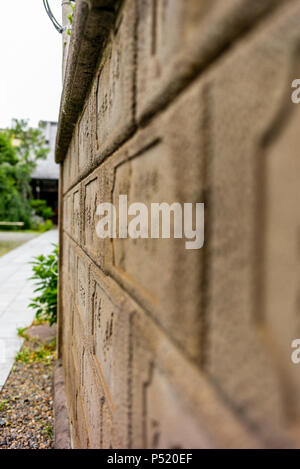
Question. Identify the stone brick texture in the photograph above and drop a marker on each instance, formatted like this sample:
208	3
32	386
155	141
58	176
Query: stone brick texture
164	347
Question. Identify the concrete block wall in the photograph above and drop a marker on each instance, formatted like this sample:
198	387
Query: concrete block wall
163	347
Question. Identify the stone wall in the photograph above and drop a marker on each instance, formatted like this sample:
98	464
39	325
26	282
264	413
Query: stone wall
187	101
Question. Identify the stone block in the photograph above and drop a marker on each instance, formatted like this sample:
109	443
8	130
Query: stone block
82	432
76	215
92	396
253	224
69	385
164	347
162	164
110	312
180	408
70	164
72	266
113	90
176	38
72	223
65	173
67	318
82	284
107	428
85	139
65	262
67	209
69	264
95	189
78	341
73	158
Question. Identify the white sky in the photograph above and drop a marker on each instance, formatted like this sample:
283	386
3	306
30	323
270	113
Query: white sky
30	61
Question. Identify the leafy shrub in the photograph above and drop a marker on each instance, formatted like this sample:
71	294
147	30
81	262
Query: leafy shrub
45	271
41	208
43	227
42	353
48	225
14	184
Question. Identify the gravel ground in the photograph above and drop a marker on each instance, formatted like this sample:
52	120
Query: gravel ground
26	402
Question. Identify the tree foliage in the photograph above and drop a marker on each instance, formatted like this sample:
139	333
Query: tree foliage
30	142
20	148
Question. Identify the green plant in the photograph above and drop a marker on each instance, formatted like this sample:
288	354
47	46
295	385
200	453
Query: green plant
45	353
3	405
70	18
45	269
47	430
45	226
41	208
14	184
20	147
30	142
37	322
22	332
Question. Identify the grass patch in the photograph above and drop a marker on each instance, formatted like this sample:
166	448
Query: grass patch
4	405
47	430
44	353
22	332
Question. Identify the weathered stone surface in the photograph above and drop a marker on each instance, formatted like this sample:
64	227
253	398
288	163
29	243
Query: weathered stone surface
66	176
76	215
85	147
66	309
139	171
82	284
93	398
176	38
72	223
82	431
114	85
73	155
110	312
70	167
280	251
95	189
252	228
107	428
162	346
62	427
167	424
157	370
92	24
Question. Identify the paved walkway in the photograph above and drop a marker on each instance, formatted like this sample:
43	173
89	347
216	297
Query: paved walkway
17	236
12	239
16	290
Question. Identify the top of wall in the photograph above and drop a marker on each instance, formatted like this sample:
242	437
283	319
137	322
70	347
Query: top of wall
93	20
221	24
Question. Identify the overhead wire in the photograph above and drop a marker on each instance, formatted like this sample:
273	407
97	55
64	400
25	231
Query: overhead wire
59	28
